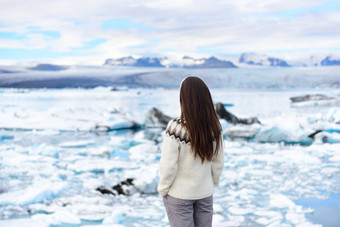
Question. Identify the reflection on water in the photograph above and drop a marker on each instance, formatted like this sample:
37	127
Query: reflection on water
326	211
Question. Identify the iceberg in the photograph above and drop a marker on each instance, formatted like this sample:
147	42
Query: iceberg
241	131
314	100
156	118
231	118
280	133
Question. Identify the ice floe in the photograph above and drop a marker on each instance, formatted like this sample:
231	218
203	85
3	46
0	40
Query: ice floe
37	193
50	171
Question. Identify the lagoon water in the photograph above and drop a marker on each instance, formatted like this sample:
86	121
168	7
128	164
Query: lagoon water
52	158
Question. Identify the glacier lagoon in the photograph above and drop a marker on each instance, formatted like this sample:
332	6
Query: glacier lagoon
53	157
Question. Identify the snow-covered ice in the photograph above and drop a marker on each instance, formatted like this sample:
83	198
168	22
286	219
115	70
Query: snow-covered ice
52	161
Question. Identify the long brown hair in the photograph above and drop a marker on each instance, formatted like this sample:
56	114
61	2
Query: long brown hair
199	117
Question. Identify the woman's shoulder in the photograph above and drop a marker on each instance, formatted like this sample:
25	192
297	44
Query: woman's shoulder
176	130
174	121
174	126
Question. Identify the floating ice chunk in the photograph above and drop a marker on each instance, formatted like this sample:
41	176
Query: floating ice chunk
106	225
262	221
325	137
58	218
44	150
335	157
27	222
314	100
17	159
116	217
144	148
239	211
241	131
128	140
46	132
331	171
267	213
148	183
65	217
144	152
77	144
295	218
333	115
91	212
33	119
123	124
278	224
302	157
114	122
36	193
236	219
278	133
145	178
288	128
281	201
102	151
273	221
119	141
41	208
73	117
308	224
99	165
87	208
92	183
150	135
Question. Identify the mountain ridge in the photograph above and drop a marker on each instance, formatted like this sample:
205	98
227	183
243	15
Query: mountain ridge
247	58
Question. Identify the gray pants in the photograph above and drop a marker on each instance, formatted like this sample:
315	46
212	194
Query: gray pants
189	213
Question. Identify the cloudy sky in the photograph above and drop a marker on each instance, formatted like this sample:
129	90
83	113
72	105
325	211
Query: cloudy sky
89	31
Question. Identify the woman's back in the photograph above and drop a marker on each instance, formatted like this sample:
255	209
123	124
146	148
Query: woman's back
193	179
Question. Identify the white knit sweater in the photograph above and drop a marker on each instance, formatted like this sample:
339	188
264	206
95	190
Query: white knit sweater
181	174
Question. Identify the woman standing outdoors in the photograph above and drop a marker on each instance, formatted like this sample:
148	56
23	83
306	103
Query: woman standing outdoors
192	158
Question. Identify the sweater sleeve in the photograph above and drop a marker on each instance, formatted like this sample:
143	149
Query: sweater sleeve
217	164
168	164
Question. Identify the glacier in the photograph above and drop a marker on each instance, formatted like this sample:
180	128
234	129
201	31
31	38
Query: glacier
250	77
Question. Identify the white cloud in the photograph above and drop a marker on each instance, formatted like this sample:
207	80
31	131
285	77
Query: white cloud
181	26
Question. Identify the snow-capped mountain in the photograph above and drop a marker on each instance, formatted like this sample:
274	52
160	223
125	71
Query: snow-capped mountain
186	62
212	62
316	60
48	67
136	62
330	61
261	59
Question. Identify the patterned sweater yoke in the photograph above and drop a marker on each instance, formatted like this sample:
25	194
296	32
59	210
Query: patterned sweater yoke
176	130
